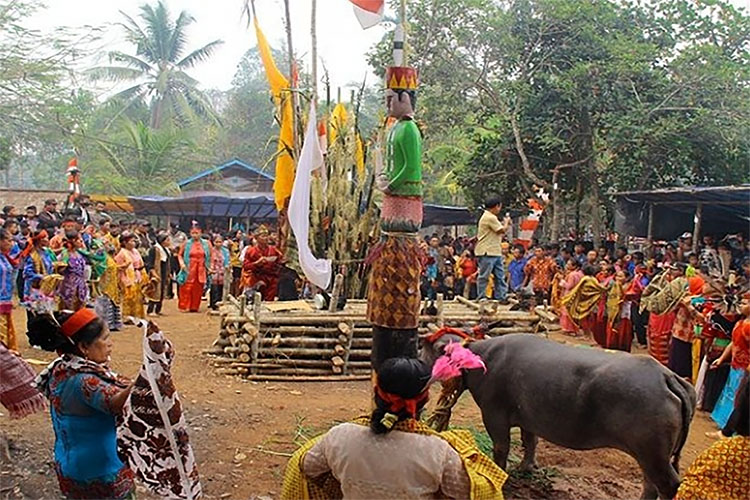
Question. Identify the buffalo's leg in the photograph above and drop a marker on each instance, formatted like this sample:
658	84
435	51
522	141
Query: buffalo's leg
529	440
659	475
499	430
649	490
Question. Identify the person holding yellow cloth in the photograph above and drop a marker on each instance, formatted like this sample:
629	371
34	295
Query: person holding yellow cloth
391	454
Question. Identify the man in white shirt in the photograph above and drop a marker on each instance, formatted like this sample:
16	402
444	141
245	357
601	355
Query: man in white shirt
488	251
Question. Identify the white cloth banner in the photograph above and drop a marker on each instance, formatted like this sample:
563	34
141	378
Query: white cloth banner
318	271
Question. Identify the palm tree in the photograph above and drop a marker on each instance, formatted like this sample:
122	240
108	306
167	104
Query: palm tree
143	161
158	67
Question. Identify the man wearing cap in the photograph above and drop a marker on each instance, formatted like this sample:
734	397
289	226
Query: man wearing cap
50	218
684	246
393	297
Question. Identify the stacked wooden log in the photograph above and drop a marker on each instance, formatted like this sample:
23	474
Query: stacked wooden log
259	343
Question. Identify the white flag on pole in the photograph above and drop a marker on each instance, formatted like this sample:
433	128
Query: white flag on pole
318	271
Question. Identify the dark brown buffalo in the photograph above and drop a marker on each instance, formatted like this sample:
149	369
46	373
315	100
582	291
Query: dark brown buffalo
582	399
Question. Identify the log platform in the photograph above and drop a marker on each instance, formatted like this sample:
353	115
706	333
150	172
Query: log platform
261	342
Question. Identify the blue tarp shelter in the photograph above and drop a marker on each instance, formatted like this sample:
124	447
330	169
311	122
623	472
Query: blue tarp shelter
260	207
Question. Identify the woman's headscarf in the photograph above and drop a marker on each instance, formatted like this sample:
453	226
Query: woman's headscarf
695	285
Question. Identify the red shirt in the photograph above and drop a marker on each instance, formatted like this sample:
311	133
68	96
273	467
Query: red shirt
468	267
741	345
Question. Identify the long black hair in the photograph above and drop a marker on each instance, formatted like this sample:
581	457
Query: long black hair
402	377
43	332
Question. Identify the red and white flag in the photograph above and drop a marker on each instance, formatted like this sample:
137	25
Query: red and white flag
368	12
530	223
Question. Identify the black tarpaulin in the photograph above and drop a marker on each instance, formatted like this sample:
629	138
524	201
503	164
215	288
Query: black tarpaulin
725	209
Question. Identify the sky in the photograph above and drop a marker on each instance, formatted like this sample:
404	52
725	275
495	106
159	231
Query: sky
342	43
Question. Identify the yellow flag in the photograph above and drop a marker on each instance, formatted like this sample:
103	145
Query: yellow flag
282	97
339	117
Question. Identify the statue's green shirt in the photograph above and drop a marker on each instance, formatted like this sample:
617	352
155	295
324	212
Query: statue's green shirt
404	159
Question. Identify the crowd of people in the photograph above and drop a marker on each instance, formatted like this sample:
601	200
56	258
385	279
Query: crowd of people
125	268
683	303
690	309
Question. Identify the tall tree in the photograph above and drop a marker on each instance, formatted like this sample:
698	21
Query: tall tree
588	96
37	104
158	70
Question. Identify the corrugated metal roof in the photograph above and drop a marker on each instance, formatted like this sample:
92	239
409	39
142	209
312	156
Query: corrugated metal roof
235	162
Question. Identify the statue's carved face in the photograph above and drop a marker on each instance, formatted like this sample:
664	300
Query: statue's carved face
398	104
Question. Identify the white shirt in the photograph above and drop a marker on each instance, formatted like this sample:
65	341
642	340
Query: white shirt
392	465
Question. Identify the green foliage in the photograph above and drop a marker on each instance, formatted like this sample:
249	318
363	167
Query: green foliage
247	126
634	95
36	102
158	68
140	160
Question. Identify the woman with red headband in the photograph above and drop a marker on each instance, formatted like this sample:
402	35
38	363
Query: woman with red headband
392	454
85	396
38	261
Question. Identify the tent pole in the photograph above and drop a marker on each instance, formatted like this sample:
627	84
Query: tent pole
650	235
697	220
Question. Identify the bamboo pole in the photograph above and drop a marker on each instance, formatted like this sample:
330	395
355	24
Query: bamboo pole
310	378
348	347
650	234
304	363
439	306
697	223
338	285
292	93
405	28
314	41
467	302
257	300
306	351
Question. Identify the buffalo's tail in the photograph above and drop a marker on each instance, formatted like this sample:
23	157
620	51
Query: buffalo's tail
686	394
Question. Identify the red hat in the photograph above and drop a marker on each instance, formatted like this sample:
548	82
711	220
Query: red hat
77	321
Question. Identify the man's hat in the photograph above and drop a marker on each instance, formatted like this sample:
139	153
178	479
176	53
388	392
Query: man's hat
401	78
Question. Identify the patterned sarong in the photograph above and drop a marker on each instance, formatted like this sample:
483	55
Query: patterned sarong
393	299
581	301
722	472
661	297
16	392
486	477
154	436
8	331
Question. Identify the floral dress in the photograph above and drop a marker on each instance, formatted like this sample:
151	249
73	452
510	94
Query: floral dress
80	393
73	290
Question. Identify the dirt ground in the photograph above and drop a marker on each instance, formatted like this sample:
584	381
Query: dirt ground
242	432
